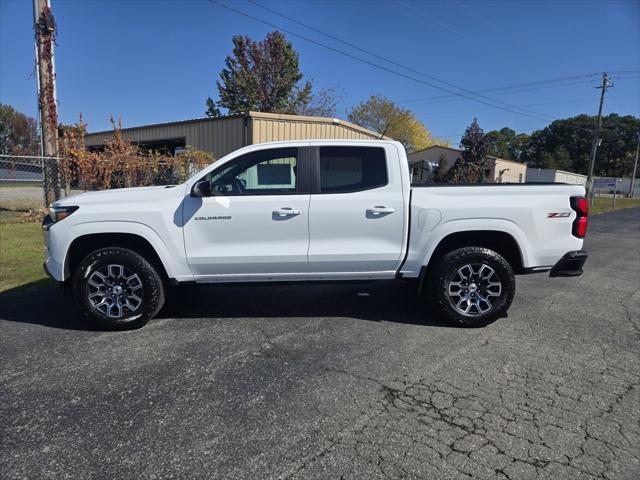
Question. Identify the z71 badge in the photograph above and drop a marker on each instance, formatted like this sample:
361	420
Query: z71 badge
558	214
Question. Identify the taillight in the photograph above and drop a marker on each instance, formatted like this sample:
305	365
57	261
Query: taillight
581	207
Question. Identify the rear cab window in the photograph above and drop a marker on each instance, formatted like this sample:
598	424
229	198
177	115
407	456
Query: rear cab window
352	169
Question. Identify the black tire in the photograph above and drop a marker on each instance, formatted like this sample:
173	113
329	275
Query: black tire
485	305
142	277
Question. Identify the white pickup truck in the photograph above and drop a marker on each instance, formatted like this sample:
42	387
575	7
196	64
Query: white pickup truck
320	210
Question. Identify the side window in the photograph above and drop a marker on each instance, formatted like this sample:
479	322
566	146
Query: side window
258	173
352	169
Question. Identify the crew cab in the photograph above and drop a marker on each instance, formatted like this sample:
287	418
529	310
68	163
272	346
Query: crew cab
319	210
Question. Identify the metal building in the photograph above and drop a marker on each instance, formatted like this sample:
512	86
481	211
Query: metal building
424	162
537	175
223	135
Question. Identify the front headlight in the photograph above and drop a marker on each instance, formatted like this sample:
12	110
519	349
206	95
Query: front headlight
60	213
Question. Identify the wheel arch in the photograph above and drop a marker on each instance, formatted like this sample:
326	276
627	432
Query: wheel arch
82	245
500	241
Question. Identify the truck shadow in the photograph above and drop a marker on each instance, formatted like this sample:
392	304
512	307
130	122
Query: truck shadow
389	301
42	303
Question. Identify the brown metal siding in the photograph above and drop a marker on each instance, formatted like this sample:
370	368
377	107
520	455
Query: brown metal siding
217	136
224	135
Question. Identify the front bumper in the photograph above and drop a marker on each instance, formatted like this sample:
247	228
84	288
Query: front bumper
53	269
51	266
570	265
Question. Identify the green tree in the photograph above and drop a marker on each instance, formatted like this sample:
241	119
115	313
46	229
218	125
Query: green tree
566	144
559	159
18	132
265	76
471	168
499	142
517	146
385	117
505	143
322	103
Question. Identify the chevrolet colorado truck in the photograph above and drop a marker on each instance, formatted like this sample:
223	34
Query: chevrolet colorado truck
319	210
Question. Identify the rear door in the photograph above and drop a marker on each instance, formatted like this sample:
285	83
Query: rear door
356	221
255	225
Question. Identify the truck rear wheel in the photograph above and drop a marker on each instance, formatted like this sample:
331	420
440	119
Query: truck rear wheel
117	288
471	286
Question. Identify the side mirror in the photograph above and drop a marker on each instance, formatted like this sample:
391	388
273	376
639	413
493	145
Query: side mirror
201	189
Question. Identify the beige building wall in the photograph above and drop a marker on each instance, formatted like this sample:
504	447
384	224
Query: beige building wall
419	161
513	172
223	135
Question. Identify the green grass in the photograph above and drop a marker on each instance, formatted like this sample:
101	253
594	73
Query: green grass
605	204
9	216
6	184
21	253
23	204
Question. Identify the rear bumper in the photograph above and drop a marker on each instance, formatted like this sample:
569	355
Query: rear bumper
570	265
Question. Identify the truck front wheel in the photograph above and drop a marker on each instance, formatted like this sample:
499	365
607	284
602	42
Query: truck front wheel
471	286
117	288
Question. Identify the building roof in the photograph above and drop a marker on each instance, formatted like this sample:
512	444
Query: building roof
437	146
546	170
505	160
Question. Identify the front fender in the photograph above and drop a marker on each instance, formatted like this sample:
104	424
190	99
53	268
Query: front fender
171	253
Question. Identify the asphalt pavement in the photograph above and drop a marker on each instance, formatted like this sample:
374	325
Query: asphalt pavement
355	381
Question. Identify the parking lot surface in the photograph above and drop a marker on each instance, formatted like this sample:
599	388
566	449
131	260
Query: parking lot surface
355	381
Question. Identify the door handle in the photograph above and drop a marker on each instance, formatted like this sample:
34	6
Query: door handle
287	212
380	210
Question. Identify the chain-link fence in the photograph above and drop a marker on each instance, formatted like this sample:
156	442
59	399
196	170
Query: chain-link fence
21	182
31	182
609	186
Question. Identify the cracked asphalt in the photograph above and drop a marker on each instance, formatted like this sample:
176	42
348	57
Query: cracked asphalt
311	382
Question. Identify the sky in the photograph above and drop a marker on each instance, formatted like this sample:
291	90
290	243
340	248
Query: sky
157	61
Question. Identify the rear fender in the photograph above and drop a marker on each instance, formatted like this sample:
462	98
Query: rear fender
430	240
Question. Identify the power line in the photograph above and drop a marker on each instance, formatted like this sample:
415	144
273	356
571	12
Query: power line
421	111
392	62
516	88
423	16
373	54
376	65
513	89
534	115
518	131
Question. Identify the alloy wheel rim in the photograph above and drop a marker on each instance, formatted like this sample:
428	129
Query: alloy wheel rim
473	289
114	290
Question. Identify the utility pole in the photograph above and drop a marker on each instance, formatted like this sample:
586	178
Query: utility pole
635	168
45	28
606	83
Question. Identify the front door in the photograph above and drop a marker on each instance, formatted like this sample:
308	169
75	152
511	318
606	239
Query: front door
255	223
